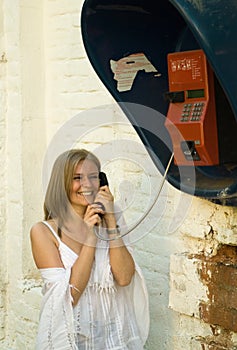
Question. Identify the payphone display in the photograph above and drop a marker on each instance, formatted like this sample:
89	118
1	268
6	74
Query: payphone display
191	120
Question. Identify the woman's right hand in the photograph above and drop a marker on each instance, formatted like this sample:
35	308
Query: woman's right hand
92	219
92	215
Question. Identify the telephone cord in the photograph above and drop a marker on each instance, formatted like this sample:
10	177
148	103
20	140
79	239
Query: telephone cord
144	215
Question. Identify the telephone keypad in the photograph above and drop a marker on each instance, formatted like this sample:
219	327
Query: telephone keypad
192	111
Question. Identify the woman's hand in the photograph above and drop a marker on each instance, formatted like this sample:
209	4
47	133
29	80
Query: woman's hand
92	215
105	197
92	218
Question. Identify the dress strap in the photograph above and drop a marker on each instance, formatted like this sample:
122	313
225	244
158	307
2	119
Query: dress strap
52	230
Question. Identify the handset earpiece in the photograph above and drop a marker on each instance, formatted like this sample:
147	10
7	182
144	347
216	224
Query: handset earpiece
103	179
103	182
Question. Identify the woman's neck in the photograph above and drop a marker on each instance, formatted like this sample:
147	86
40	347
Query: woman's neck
80	210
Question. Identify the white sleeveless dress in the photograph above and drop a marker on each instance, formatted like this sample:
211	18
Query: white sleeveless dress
107	316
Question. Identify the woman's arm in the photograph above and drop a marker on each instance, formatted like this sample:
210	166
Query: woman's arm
46	255
81	269
121	261
44	247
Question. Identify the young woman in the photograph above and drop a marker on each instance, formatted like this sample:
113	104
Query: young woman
94	295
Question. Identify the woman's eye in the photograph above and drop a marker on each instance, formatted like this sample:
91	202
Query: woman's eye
77	178
91	178
94	177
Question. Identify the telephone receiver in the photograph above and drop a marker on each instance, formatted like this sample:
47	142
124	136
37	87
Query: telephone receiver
103	179
103	182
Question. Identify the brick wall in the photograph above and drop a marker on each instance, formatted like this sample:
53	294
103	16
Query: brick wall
219	274
202	280
20	122
46	84
2	174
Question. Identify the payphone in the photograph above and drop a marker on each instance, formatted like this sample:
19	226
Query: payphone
191	118
199	121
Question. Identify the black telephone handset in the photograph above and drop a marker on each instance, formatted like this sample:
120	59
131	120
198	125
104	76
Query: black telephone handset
103	182
103	179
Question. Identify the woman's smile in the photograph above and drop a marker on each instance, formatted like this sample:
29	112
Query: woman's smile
86	193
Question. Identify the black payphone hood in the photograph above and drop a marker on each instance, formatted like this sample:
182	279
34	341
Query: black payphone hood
115	29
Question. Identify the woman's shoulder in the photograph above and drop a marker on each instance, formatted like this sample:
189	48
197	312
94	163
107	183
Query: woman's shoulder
44	246
40	231
44	225
38	227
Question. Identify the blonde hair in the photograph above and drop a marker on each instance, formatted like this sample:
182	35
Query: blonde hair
56	203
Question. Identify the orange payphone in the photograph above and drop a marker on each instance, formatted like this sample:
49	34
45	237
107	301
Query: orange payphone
191	119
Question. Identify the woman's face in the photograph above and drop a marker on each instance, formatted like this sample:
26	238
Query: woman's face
85	184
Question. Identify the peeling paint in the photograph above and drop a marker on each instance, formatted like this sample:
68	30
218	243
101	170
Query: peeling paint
219	274
126	69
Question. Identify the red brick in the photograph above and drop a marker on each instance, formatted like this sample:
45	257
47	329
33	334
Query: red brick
216	315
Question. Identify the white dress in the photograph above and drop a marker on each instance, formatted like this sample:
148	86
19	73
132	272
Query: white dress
106	317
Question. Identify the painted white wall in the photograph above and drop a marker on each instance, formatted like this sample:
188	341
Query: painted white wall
46	81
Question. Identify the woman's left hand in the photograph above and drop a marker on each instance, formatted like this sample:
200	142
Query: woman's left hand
105	197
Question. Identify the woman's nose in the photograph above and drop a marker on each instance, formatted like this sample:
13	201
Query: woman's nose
86	181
